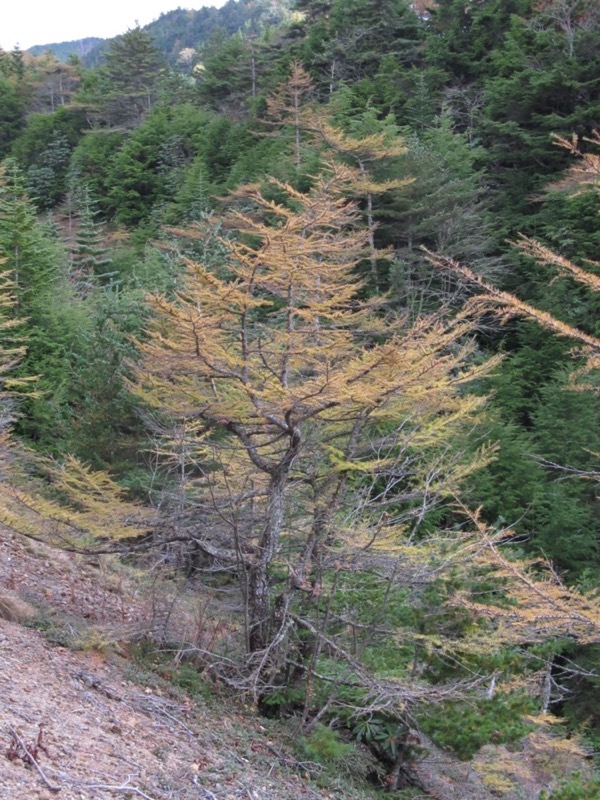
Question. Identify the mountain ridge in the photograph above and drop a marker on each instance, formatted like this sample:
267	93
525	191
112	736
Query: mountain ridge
62	50
181	28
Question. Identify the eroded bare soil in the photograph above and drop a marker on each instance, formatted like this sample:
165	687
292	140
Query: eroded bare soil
104	733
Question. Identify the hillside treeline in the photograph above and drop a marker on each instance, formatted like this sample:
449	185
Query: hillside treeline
229	280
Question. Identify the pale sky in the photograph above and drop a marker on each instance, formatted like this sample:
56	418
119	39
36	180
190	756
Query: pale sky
29	22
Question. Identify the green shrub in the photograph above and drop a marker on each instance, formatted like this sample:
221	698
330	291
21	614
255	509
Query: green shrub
466	727
323	745
576	788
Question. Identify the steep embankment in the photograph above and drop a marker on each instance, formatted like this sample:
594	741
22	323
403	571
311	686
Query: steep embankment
104	735
109	726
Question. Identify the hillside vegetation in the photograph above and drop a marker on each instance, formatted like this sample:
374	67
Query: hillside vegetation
300	349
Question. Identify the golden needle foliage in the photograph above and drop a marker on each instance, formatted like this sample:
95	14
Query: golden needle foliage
281	338
541	607
583	176
301	383
70	506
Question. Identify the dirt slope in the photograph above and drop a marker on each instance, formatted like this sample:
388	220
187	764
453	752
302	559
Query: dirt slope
104	722
102	730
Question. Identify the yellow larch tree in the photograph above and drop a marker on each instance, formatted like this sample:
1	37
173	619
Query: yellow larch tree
286	107
364	154
309	413
12	351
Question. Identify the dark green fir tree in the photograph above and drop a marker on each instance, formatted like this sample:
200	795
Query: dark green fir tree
90	259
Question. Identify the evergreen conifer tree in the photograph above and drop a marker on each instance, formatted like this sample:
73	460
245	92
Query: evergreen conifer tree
121	93
89	257
22	244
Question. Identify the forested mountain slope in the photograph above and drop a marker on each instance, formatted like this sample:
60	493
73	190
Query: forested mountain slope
182	29
63	50
300	306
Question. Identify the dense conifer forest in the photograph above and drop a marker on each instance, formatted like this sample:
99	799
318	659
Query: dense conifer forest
300	305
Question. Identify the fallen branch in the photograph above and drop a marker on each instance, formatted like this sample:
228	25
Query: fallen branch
147	705
207	793
28	757
124	787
